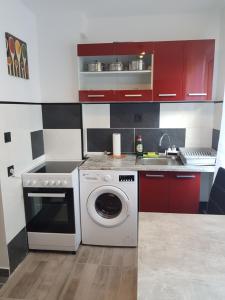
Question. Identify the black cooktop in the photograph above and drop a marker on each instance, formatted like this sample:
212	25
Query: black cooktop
57	167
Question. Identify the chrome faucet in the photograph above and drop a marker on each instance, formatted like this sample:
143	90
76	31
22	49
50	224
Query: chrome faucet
162	137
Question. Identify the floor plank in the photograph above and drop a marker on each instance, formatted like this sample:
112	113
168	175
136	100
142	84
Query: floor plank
94	273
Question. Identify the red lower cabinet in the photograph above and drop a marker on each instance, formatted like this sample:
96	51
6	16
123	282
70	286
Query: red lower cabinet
153	189
169	192
184	192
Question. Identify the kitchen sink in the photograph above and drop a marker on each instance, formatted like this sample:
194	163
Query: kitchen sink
161	161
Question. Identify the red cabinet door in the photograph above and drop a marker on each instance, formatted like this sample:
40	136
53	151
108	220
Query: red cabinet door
168	71
134	48
153	189
198	72
95	49
184	192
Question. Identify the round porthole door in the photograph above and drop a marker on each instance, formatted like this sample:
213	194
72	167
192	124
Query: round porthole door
108	206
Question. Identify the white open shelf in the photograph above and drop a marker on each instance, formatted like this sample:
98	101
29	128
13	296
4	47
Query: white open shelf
116	72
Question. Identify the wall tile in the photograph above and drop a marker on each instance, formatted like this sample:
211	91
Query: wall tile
17	249
151	138
215	139
134	115
218	108
96	115
63	144
61	116
99	139
37	143
199	137
183	115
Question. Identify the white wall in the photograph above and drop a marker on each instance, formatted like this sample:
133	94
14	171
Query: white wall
16	19
58	34
59	31
4	261
20	120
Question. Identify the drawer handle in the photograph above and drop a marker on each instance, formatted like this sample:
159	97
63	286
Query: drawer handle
167	95
197	94
154	176
185	176
133	95
96	96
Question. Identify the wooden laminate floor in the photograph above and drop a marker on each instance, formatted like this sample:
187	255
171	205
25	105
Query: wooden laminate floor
96	273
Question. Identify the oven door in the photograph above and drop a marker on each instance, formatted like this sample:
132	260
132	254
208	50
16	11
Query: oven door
49	210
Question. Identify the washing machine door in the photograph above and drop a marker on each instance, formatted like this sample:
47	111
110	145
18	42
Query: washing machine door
108	206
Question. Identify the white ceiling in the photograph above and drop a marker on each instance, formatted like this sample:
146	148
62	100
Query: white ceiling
102	8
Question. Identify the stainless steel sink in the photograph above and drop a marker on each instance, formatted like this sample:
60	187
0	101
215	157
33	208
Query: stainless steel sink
161	161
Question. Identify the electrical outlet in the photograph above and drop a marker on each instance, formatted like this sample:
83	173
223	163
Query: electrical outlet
137	118
7	137
10	171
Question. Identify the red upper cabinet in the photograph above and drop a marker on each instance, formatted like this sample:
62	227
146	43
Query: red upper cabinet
198	71
95	49
134	48
168	71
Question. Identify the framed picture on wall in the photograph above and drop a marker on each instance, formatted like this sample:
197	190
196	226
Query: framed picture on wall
17	59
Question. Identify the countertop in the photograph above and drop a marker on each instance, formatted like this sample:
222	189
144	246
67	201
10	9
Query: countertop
181	256
128	163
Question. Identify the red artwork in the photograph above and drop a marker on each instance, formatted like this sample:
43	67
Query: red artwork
17	60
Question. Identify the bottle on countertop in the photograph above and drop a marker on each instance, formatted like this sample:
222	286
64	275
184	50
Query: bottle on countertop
139	146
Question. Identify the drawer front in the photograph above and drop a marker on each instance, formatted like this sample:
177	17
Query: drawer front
134	95
96	96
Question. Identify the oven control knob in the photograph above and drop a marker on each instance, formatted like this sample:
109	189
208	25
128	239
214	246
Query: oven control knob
107	178
28	182
34	182
52	182
58	182
46	182
65	182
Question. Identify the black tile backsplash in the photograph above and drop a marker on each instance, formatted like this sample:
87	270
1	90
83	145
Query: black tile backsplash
215	138
152	136
134	115
100	139
37	143
17	249
61	116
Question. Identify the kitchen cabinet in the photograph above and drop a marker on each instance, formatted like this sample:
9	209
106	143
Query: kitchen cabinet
173	71
184	192
198	69
153	189
168	71
107	86
169	192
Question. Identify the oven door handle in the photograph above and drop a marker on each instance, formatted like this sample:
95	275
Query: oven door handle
47	195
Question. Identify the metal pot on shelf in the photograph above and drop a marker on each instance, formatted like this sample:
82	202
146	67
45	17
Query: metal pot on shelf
116	66
137	65
96	66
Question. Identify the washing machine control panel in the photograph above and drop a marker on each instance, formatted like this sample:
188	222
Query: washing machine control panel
126	178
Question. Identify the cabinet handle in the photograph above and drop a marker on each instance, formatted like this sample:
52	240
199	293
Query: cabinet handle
167	95
96	96
133	95
185	176
154	176
197	94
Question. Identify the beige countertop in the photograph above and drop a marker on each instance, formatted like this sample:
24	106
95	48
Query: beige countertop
128	163
181	256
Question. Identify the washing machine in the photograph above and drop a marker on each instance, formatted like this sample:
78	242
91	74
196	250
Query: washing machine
109	207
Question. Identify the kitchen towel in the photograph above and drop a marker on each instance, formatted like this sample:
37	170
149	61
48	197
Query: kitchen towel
116	144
